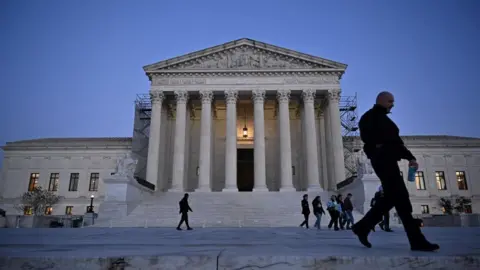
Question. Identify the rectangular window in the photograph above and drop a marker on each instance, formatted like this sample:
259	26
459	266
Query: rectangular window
48	211
94	178
53	184
468	209
420	180
28	211
73	185
441	183
68	210
461	180
425	209
33	181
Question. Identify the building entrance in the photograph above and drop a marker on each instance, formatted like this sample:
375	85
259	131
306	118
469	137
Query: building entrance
245	174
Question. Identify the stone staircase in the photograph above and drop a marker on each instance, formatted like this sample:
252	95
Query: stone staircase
220	209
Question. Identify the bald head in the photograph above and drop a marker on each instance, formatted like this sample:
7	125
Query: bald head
386	100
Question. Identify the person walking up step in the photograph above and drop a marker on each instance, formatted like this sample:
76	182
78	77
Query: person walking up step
184	208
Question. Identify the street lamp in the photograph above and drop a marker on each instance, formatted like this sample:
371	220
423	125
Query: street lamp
91	203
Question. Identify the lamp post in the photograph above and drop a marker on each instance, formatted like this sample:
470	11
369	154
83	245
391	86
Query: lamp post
91	203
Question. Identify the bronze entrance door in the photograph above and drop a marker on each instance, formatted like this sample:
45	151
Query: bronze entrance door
245	172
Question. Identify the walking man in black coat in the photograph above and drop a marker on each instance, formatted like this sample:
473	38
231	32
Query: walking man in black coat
384	147
184	208
305	210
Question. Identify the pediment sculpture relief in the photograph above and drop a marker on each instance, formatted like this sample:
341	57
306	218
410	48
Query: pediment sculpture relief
246	57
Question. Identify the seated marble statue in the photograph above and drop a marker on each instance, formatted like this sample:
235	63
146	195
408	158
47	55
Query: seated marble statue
363	165
125	166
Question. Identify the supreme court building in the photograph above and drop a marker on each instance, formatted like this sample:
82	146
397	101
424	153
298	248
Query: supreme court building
247	128
243	101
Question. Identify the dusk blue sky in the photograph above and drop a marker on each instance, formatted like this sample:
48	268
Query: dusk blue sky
73	68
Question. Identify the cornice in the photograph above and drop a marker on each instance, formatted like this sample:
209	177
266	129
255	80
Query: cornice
244	73
434	141
70	144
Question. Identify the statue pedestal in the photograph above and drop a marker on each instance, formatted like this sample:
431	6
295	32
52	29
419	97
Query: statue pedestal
370	182
122	195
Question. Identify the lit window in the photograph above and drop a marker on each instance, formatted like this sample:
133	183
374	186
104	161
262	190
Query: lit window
28	211
425	209
48	211
53	184
68	210
420	180
461	181
33	181
94	178
441	183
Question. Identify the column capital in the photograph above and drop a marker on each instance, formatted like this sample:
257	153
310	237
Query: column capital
231	96
283	96
181	96
308	95
258	96
334	95
206	96
157	97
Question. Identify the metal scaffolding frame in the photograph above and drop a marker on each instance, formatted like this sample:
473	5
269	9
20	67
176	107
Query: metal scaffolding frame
141	133
350	133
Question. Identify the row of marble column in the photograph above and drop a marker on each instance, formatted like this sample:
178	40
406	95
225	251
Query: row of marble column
333	143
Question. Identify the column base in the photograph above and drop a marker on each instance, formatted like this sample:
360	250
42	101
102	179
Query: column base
230	190
175	190
316	188
287	189
203	189
260	189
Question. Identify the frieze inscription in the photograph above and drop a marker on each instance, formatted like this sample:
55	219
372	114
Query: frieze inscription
321	80
179	81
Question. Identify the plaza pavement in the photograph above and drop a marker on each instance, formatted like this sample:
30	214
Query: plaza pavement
231	248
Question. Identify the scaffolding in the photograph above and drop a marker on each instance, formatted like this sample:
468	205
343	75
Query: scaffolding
349	122
141	133
348	118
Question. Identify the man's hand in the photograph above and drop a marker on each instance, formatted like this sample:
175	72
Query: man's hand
413	163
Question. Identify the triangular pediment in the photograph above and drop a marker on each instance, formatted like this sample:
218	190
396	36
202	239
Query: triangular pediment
245	54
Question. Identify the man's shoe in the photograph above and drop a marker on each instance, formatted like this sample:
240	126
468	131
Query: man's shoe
179	229
388	230
362	236
427	246
189	229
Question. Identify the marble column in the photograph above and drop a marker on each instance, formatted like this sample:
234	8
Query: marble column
323	148
205	141
153	158
258	97
336	136
286	184
179	143
308	96
231	97
329	148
